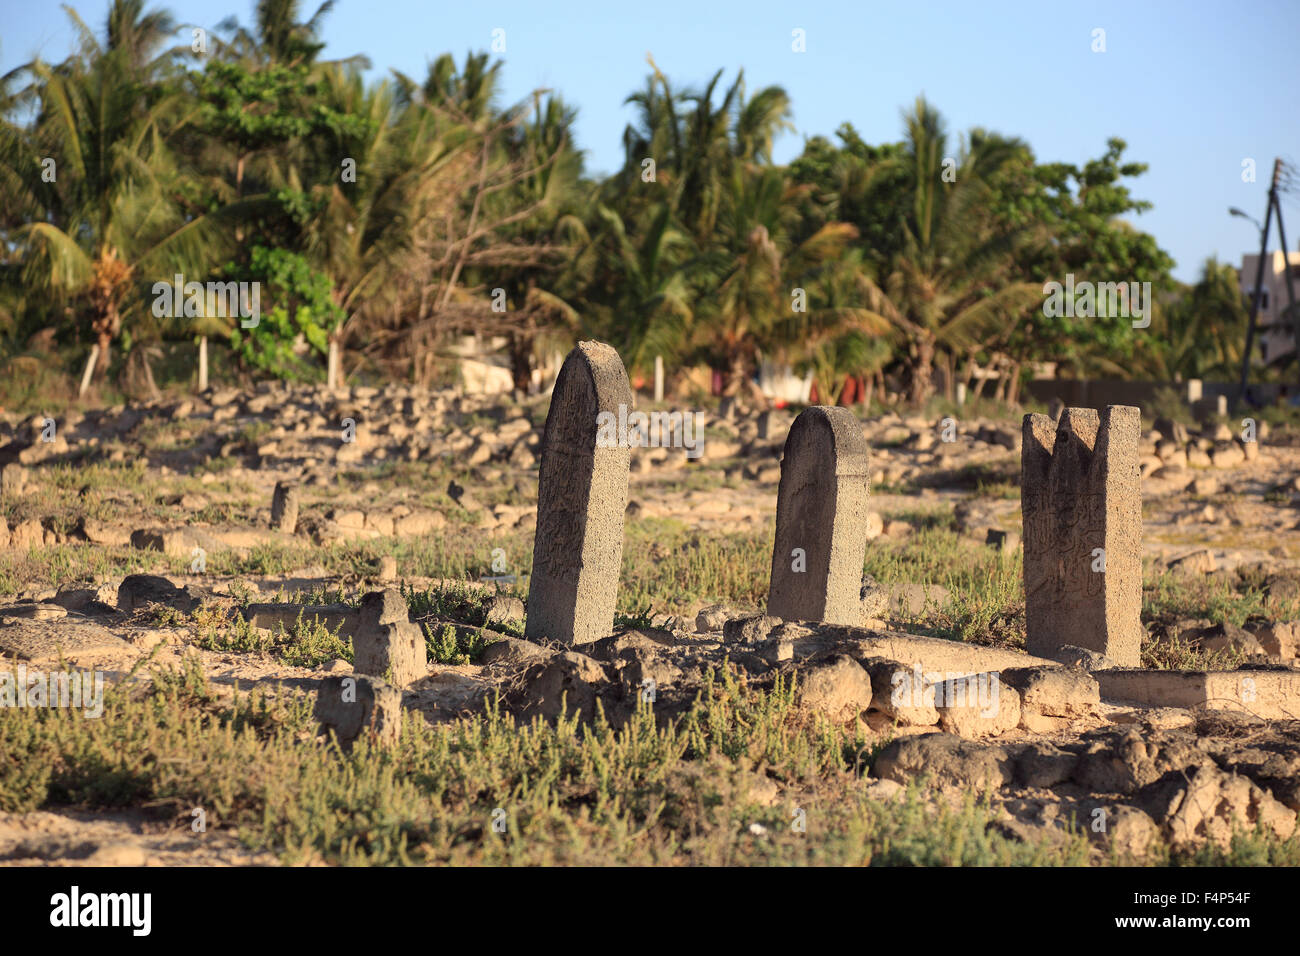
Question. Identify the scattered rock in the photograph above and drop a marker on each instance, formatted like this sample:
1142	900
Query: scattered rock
568	683
1042	764
901	693
946	760
350	706
839	689
1197	562
1004	542
142	590
513	650
749	630
1213	805
1126	831
1082	657
713	618
503	608
1279	638
979	705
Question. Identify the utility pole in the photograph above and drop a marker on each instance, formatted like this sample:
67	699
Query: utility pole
1278	167
1273	206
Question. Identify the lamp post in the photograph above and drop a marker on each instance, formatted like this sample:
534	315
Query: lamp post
1234	211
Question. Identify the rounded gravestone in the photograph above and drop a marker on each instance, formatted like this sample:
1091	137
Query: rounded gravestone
581	500
821	519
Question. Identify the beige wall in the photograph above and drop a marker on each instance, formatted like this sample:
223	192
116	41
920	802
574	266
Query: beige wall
1275	341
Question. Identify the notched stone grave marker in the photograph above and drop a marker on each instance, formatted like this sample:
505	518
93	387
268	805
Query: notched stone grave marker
1081	497
821	519
581	498
385	642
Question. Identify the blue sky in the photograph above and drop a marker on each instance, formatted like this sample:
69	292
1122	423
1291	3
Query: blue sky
1194	87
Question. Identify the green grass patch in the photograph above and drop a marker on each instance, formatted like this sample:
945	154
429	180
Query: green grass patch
688	793
308	643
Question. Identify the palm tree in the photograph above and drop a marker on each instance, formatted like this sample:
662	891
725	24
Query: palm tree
738	132
362	233
952	282
695	150
112	221
135	31
470	92
654	311
657	133
277	36
763	282
1203	333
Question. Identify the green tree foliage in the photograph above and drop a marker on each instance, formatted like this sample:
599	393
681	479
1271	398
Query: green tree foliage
297	315
393	215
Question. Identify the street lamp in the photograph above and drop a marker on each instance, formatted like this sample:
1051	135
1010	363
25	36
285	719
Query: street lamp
1234	211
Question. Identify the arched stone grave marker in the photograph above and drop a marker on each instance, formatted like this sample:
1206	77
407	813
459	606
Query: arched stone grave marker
581	499
821	519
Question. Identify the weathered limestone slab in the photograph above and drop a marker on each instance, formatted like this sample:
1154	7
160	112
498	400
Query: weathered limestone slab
581	499
1081	497
386	644
335	617
176	542
821	519
930	654
1271	693
47	641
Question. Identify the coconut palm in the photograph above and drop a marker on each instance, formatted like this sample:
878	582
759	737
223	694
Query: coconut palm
135	31
953	281
1202	333
654	311
363	233
470	92
696	143
113	223
276	36
718	139
763	281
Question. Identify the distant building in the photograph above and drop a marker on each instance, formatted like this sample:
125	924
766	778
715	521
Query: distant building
1276	338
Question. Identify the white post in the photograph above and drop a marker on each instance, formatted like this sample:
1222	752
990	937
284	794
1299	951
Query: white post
1194	392
659	378
332	375
203	363
90	370
961	393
